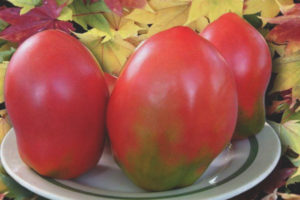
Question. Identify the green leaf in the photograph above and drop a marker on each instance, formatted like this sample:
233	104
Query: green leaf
26	5
66	13
295	178
6	55
294	116
15	190
3	25
254	20
90	15
60	2
289	134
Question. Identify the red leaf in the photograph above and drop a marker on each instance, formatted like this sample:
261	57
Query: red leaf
277	179
116	5
36	20
279	98
133	3
288	29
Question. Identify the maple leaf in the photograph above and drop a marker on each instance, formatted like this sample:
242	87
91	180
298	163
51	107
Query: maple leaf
122	26
110	53
3	25
295	178
112	49
276	179
14	190
5	54
5	125
36	20
213	9
289	134
3	67
288	74
195	14
280	101
288	29
90	14
26	5
117	5
289	196
144	16
169	13
266	8
89	2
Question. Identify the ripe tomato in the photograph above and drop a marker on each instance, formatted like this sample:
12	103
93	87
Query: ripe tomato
172	111
56	98
249	57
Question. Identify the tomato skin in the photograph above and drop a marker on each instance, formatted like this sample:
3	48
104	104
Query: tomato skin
56	97
172	111
249	57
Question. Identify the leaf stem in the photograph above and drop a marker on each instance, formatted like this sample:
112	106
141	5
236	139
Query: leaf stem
90	13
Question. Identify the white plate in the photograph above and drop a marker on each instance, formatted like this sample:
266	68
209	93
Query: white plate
236	170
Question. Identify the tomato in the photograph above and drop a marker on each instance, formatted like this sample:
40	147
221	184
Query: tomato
56	97
248	56
172	111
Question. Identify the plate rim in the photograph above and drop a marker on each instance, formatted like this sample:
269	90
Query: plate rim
251	158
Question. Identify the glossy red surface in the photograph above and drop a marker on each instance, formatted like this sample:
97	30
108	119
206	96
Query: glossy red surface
247	54
172	111
56	97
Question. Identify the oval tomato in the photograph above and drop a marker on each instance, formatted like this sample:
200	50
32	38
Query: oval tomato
56	97
172	111
248	56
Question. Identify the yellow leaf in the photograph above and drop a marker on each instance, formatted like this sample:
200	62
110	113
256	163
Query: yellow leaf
218	8
3	67
169	17
5	126
295	178
112	50
288	72
296	92
3	187
25	5
66	14
280	49
142	16
213	9
199	9
122	26
137	39
163	4
289	196
26	9
199	24
268	8
292	47
111	54
94	35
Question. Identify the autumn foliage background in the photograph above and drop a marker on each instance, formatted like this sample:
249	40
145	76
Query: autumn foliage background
112	29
